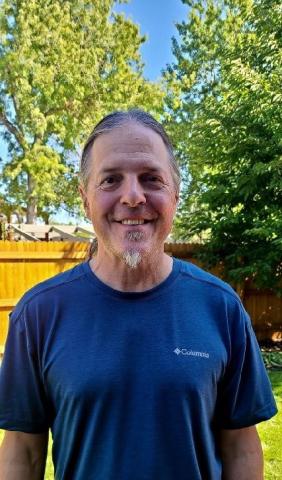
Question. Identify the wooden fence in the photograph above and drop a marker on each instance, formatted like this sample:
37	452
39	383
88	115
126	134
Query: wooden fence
23	264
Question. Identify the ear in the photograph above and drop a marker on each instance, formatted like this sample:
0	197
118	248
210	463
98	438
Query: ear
84	199
176	199
176	202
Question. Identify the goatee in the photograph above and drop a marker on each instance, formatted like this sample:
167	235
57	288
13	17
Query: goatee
132	259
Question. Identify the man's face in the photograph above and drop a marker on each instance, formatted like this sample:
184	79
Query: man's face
130	196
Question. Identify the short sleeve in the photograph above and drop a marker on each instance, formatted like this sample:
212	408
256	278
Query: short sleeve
245	396
23	403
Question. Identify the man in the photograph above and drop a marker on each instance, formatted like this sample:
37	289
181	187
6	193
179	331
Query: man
143	366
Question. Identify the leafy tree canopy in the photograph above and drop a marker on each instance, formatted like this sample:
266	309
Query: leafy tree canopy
63	65
224	112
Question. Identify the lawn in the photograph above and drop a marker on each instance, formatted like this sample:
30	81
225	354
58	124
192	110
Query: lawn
270	433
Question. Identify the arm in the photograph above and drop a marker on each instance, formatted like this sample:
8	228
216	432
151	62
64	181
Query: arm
23	456
241	454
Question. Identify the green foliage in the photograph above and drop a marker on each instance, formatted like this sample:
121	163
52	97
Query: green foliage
227	130
272	358
63	65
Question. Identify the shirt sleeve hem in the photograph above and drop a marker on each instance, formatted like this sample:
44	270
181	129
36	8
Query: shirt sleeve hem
261	415
23	427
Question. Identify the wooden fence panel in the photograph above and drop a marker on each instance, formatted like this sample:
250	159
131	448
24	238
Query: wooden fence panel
23	264
265	309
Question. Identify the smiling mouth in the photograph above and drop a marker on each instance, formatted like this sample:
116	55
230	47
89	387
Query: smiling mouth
133	222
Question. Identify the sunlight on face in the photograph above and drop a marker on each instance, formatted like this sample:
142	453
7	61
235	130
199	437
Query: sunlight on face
130	196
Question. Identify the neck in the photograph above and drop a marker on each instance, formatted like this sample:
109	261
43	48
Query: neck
115	273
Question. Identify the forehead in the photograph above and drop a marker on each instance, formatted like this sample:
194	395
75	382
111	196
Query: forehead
128	146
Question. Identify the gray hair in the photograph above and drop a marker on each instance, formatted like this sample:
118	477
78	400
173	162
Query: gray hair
117	119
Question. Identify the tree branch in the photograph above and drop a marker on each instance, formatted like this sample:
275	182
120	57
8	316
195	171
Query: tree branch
16	109
12	129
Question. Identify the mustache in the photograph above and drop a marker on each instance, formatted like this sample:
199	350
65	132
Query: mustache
134	212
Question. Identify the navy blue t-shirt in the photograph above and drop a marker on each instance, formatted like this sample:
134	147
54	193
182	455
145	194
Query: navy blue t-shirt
134	386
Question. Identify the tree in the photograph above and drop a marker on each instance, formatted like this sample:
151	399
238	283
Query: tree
63	65
227	129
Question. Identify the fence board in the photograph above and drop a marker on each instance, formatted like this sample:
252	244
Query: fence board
23	264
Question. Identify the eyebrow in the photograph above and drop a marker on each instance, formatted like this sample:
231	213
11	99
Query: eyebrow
116	169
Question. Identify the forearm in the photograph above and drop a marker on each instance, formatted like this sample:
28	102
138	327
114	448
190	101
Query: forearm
12	468
19	462
242	457
243	467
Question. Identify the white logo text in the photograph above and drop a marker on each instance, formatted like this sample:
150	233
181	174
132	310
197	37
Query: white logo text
185	351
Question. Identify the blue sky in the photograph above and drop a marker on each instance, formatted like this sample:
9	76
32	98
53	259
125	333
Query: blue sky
156	19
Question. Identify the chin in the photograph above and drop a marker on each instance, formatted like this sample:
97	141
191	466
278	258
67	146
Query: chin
134	250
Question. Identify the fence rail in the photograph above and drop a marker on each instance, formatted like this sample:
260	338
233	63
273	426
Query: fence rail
23	264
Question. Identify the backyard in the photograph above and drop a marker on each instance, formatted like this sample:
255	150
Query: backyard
270	433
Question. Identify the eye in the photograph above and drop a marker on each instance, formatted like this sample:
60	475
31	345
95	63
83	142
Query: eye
151	179
110	181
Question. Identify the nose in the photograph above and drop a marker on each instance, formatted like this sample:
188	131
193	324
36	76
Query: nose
132	193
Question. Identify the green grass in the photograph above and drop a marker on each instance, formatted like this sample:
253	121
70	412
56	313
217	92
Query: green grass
49	472
270	434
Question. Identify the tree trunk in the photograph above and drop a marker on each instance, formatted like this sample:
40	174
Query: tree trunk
46	217
31	210
19	216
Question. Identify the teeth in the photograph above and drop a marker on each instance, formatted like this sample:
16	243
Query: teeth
133	222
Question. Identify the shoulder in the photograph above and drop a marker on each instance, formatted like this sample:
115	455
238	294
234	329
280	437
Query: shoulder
53	285
203	278
210	292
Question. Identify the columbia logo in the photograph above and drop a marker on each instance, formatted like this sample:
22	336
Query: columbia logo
184	351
